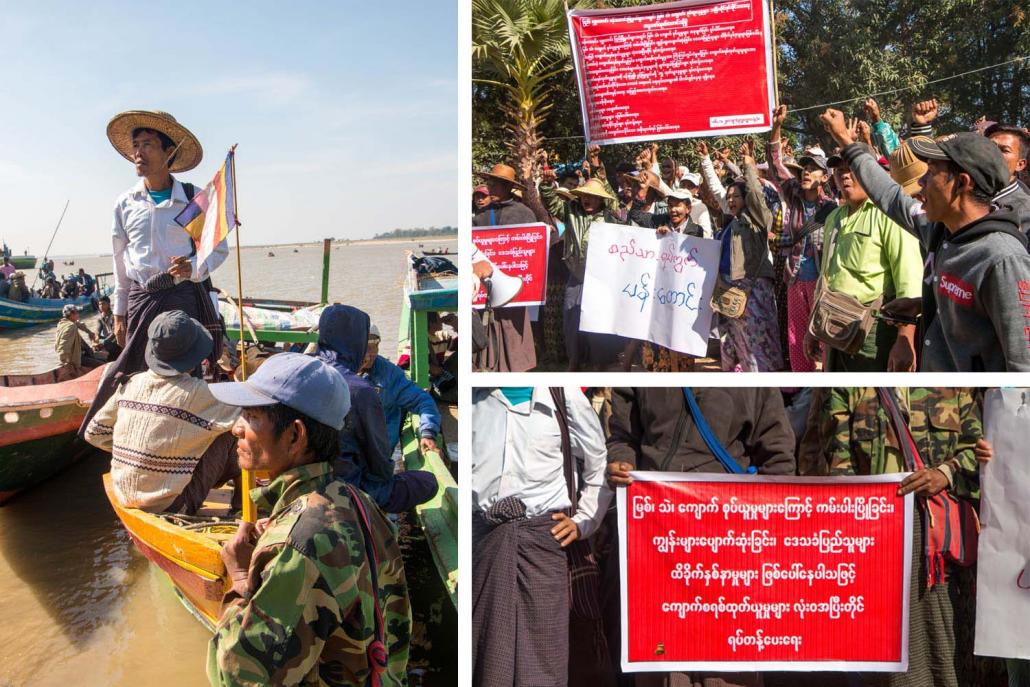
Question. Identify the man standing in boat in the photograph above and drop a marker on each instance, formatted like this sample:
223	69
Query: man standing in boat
155	267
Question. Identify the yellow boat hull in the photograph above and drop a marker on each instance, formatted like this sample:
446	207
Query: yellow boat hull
192	560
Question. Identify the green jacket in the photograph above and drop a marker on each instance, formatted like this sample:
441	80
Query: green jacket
850	434
577	224
311	620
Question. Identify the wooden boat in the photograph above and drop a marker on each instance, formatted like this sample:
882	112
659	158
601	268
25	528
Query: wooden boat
438	517
38	311
39	416
187	550
20	261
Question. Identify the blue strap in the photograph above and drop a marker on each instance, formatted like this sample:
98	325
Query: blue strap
493	217
711	441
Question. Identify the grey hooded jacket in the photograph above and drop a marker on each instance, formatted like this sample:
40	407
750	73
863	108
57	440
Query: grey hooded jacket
976	295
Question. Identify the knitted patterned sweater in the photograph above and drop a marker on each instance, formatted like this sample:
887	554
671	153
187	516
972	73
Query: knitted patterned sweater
156	429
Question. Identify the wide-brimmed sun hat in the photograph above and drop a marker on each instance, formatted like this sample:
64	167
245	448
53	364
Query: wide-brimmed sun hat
176	343
502	173
592	188
188	152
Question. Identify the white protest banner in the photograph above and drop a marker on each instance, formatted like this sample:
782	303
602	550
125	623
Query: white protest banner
1003	559
644	287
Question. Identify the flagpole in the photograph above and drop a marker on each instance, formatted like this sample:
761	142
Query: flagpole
246	476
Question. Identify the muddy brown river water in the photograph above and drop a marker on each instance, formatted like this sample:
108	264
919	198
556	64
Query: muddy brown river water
80	606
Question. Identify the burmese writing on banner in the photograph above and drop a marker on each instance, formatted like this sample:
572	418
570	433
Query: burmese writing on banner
741	573
675	70
1003	557
645	287
211	215
518	250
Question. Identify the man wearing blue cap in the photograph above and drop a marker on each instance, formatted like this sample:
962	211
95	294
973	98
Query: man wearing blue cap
319	594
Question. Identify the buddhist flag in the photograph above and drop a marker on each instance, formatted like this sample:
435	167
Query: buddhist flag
211	215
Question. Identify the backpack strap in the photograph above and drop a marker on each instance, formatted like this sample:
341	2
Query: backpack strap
561	415
913	461
376	651
710	439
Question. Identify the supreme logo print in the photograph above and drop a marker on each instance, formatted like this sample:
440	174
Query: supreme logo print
954	288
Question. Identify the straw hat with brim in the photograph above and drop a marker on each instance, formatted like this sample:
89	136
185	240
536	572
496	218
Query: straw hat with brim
502	173
592	188
907	169
176	343
564	193
188	153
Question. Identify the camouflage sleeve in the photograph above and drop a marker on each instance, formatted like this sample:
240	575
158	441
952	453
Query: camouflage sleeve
835	430
965	470
277	636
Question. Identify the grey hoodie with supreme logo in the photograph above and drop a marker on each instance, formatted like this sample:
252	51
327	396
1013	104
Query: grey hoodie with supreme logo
976	295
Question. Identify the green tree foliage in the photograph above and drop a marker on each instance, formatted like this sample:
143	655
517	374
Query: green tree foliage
417	232
828	50
519	49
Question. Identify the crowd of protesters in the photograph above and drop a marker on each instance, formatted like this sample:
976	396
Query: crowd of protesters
883	255
546	464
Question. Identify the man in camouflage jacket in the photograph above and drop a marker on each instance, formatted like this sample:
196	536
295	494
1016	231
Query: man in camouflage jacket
320	597
850	433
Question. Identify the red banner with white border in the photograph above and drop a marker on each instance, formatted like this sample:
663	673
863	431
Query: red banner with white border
675	70
518	250
746	573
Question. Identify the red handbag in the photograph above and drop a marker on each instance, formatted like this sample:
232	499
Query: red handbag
952	527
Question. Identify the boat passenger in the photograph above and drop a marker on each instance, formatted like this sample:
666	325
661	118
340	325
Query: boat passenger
7	269
5	285
168	436
155	268
87	282
68	343
365	451
399	395
318	591
51	289
18	291
105	328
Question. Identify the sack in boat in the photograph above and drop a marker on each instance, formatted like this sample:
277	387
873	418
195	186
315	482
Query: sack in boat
729	301
433	264
840	321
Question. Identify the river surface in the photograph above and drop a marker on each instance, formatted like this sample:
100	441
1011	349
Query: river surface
80	606
369	275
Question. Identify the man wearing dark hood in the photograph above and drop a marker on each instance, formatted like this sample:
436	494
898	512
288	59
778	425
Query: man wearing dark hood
365	459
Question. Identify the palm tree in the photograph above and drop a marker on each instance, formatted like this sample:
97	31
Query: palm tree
519	46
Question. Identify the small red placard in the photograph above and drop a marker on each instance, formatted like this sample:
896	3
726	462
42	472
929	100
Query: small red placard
518	250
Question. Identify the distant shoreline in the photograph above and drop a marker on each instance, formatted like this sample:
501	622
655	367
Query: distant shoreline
336	242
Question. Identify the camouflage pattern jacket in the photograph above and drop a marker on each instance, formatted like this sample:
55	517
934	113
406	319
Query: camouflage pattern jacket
311	619
849	433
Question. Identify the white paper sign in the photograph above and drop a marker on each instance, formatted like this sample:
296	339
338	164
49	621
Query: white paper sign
643	287
1003	559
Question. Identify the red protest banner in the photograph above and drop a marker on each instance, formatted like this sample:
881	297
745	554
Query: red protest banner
674	70
518	250
728	572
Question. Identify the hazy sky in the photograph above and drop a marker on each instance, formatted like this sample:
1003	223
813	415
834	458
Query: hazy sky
345	113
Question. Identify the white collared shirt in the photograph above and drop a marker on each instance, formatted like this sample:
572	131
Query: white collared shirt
146	238
516	451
